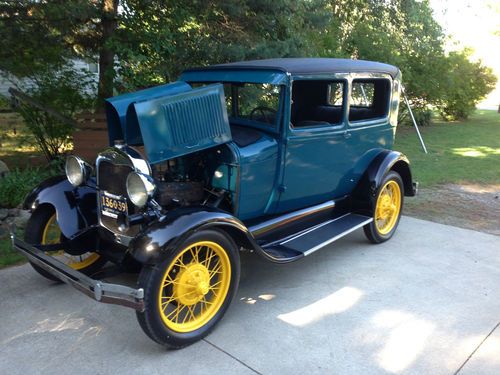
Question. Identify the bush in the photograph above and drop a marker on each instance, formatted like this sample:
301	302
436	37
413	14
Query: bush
467	83
422	114
66	91
18	183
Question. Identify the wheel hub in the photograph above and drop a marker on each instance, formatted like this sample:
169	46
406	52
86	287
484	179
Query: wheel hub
385	209
191	284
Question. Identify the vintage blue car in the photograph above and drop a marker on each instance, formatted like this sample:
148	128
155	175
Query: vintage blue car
278	157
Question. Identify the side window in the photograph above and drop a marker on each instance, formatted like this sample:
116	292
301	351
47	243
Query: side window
317	103
369	99
362	94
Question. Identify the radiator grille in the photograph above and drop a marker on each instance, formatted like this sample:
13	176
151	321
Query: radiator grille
188	126
112	178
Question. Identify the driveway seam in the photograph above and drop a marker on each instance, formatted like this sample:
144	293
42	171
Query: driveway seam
232	356
476	349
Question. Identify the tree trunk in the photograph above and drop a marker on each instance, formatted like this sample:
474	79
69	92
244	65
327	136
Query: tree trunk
106	54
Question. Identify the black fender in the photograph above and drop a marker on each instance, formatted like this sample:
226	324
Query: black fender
383	162
163	236
76	208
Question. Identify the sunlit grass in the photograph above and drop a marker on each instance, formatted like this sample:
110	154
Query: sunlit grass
476	152
461	151
17	145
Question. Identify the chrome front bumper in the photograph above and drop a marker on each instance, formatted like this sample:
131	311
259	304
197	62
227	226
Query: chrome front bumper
100	291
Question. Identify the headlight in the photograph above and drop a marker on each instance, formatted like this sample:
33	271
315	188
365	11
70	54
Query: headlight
77	171
139	188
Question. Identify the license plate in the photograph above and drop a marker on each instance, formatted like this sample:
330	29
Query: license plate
113	205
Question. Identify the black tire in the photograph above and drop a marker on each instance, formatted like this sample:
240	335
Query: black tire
34	233
153	279
372	231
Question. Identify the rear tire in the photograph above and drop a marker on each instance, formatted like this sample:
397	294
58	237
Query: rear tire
387	207
42	228
187	294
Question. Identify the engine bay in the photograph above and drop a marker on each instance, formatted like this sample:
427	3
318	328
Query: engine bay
194	179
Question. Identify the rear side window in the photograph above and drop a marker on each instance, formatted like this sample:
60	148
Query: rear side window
317	103
369	99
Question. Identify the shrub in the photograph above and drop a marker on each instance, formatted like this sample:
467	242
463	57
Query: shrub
422	114
467	83
18	183
66	91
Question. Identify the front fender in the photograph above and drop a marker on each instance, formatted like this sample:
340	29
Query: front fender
385	161
76	208
160	238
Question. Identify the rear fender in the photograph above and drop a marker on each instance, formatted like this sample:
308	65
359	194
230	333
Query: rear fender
384	162
164	236
76	208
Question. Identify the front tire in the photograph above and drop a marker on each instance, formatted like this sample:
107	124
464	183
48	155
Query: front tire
388	204
42	229
188	293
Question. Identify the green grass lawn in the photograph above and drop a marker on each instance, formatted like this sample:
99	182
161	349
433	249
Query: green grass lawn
459	152
17	144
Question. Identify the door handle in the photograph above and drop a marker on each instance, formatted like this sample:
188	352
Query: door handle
347	135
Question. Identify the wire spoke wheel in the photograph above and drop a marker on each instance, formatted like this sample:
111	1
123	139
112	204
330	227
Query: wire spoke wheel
194	286
387	204
388	207
52	235
43	229
189	291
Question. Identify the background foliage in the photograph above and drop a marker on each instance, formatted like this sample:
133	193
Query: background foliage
140	43
18	183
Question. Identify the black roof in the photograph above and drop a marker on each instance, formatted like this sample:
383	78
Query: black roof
308	65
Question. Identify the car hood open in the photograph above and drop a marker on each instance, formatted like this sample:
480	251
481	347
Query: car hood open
170	120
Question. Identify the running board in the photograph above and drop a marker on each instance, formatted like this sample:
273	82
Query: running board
308	241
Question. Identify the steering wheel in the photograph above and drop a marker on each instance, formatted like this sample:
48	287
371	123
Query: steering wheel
264	111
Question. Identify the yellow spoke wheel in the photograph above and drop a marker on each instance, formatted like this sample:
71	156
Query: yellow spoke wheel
190	289
42	229
52	235
194	286
387	205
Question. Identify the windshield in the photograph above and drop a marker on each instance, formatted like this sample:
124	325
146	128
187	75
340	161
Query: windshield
251	103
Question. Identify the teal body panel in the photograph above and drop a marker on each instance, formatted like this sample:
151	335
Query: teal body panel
119	127
258	164
274	77
184	123
327	162
296	168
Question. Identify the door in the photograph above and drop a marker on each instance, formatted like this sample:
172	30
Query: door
315	164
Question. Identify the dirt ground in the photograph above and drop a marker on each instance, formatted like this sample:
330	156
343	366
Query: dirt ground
468	206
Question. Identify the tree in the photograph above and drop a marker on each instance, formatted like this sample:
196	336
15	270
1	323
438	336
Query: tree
140	43
157	40
39	36
466	84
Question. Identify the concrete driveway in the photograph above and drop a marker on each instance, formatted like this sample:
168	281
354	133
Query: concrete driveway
426	302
